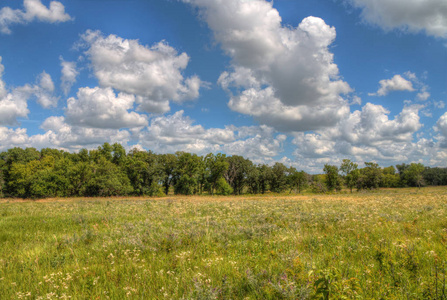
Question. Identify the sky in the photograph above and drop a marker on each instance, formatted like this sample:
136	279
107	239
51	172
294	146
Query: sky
302	82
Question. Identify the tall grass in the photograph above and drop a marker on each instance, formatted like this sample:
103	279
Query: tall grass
385	245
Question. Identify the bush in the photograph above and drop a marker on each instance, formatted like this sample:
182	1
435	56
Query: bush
222	187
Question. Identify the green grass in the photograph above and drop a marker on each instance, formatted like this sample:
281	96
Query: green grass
384	245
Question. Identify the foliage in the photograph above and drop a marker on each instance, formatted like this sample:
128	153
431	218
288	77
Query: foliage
350	172
332	179
111	171
278	178
413	175
223	187
107	180
297	180
237	173
370	176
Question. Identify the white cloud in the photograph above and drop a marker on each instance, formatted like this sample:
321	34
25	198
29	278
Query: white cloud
441	127
14	103
367	134
423	96
101	108
69	74
44	91
59	134
2	83
168	134
280	75
397	83
154	73
267	109
408	15
33	10
178	133
372	126
10	138
258	143
439	104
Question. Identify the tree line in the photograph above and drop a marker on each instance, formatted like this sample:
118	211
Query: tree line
111	171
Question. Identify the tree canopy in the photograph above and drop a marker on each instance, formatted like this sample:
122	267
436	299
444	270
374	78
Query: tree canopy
111	171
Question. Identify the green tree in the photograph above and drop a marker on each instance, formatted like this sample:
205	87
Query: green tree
265	174
278	178
216	165
413	175
168	164
297	180
144	171
390	178
253	175
2	174
79	174
350	173
318	183
401	170
186	173
236	174
107	179
118	154
37	179
435	176
370	176
332	179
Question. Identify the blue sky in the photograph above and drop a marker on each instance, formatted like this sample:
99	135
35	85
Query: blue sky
303	82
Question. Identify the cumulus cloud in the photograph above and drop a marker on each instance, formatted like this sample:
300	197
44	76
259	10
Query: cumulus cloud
2	83
177	132
12	138
397	83
154	73
101	108
439	104
33	10
259	143
62	135
280	75
367	134
69	74
441	127
413	16
14	102
44	91
12	105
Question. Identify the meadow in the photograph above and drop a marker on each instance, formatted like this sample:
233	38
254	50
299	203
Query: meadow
387	244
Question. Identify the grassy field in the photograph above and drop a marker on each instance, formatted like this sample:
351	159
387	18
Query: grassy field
390	244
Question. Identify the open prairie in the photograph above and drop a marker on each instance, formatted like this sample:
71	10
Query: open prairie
388	244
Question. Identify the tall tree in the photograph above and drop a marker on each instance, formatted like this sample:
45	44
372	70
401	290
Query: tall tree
350	173
236	174
297	180
278	178
186	173
390	178
168	165
413	175
370	176
253	175
217	166
265	173
107	179
332	178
